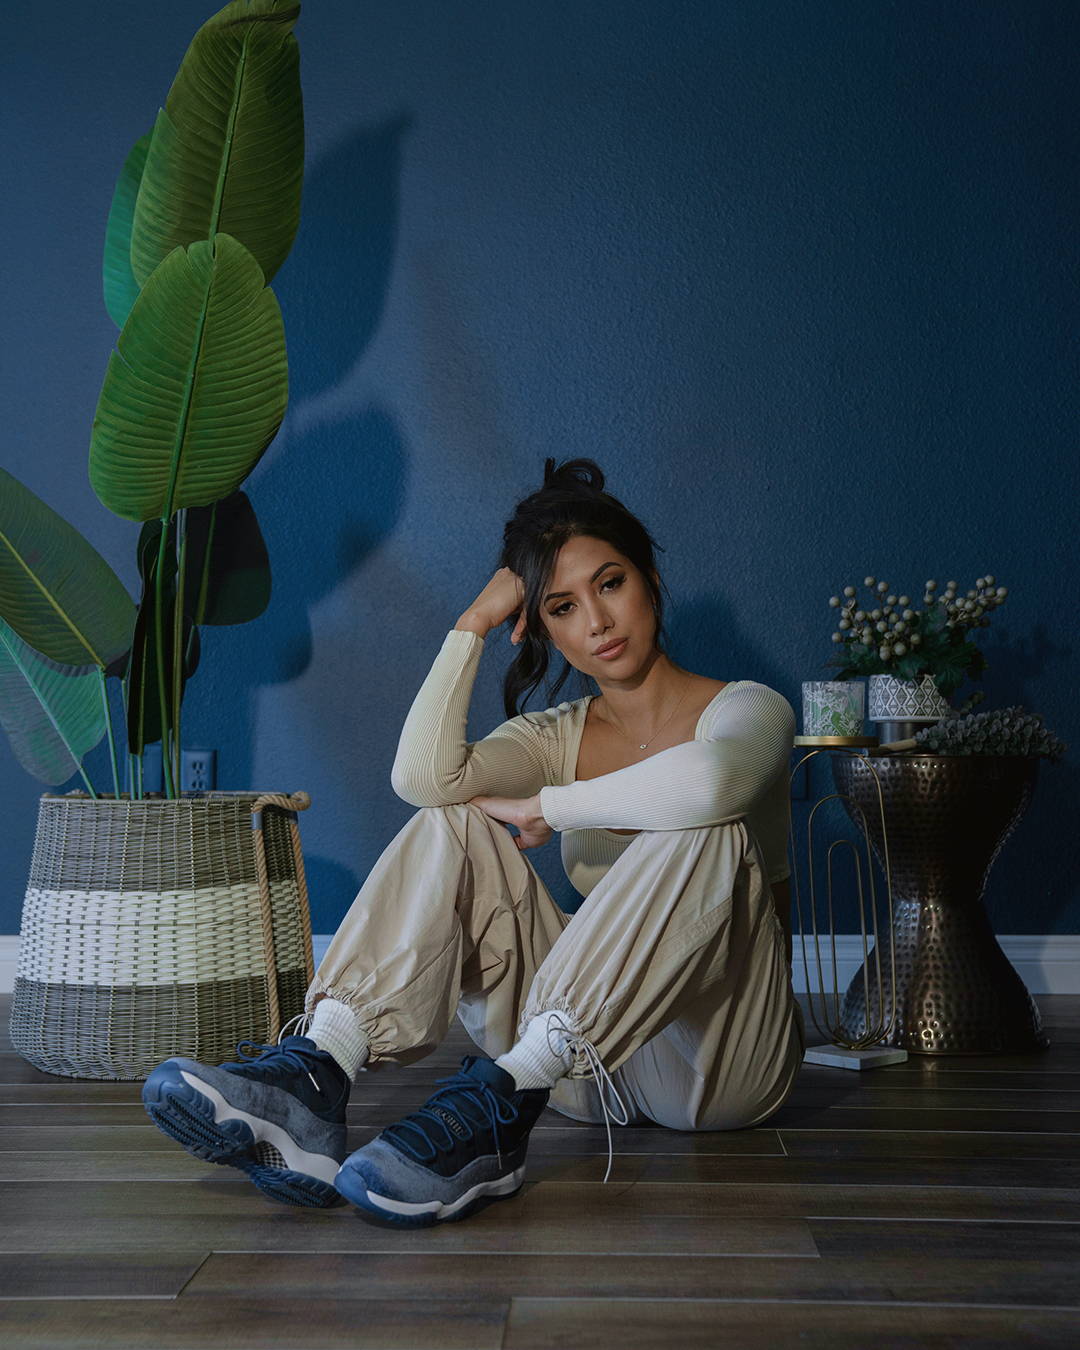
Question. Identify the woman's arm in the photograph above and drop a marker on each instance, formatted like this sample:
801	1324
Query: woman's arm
435	765
703	782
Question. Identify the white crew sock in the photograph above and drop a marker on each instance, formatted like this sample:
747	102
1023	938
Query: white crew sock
532	1062
336	1029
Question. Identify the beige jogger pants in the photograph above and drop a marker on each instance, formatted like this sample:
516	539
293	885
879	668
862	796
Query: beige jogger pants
673	970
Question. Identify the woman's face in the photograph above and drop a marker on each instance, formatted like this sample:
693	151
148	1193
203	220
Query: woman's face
595	596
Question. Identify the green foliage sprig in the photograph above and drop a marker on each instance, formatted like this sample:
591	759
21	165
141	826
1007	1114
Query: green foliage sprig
889	637
998	731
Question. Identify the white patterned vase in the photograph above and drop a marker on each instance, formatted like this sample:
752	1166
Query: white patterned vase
896	700
833	707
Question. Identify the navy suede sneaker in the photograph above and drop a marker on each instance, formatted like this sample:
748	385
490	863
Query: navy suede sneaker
464	1148
279	1117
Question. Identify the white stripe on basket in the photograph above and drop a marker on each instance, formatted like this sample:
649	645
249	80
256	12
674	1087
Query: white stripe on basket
106	938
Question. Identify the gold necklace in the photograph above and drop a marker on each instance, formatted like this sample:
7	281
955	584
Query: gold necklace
660	728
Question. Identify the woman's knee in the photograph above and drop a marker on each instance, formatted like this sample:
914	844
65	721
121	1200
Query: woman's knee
456	818
434	812
454	810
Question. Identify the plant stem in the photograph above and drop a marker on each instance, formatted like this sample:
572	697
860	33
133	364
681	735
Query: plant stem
109	730
178	636
159	648
134	788
89	785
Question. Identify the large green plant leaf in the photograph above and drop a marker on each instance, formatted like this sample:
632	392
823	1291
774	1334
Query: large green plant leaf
197	387
52	717
120	285
227	571
228	147
56	591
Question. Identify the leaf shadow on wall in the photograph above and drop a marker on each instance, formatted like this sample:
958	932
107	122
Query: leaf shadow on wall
330	497
350	492
333	287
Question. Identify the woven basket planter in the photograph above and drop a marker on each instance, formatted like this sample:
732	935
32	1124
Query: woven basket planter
160	927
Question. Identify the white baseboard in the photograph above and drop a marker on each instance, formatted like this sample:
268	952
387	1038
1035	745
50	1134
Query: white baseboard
1047	964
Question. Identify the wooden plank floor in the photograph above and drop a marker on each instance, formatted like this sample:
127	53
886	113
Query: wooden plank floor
933	1203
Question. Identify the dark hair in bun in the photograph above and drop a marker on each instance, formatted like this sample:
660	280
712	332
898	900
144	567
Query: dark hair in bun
571	502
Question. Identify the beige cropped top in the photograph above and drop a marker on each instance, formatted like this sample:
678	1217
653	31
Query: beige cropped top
736	766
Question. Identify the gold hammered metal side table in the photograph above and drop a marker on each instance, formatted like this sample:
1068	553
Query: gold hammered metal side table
954	990
864	1045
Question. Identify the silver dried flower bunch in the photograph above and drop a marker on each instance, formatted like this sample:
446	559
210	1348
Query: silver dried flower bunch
998	731
887	636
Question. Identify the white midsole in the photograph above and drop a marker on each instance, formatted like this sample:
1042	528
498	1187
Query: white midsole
507	1183
311	1164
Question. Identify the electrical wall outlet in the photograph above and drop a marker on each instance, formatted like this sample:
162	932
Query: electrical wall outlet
198	770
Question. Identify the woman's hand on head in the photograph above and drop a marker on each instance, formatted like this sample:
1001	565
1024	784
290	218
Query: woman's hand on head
503	596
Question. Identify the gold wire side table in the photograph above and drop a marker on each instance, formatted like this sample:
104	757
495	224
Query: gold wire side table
866	1046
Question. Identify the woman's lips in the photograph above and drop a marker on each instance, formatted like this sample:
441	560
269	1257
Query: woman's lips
613	652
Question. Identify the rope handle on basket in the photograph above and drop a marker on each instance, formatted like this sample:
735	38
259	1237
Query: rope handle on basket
290	804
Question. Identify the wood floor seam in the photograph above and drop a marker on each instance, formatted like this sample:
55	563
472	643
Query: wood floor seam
193	1275
789	1302
965	1219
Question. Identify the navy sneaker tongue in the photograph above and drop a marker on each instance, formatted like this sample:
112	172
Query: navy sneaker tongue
493	1074
298	1043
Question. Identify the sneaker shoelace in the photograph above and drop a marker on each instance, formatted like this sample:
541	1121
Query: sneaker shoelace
579	1043
494	1105
272	1058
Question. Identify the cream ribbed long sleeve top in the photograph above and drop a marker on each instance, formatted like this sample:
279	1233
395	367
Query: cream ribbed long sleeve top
735	767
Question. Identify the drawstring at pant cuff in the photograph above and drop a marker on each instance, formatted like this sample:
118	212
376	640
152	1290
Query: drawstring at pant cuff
581	1045
304	1021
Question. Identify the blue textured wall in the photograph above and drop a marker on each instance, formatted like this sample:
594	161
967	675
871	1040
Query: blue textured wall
801	276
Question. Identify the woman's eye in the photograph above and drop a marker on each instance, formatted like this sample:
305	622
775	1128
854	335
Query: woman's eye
557	613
